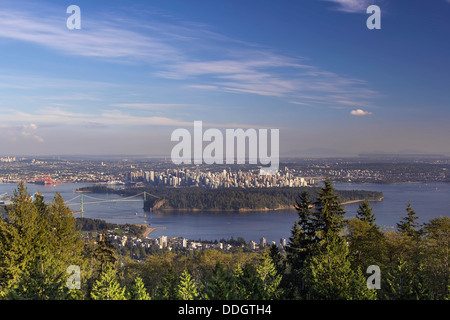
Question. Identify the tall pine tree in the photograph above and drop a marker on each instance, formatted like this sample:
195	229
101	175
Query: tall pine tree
329	276
221	285
328	217
364	213
108	287
38	242
187	288
408	224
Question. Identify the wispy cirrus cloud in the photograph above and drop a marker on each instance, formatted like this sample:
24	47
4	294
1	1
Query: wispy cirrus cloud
51	117
265	75
152	106
173	52
185	53
353	6
99	39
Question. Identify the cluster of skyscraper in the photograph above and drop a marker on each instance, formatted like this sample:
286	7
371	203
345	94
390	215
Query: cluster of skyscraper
220	179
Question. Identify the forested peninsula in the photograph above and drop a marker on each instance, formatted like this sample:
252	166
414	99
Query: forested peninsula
228	199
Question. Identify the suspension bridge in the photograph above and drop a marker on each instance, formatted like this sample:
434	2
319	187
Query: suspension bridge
93	200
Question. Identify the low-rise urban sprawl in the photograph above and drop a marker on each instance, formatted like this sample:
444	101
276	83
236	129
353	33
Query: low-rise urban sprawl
292	173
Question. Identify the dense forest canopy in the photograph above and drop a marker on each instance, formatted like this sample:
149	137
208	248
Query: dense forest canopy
230	198
327	258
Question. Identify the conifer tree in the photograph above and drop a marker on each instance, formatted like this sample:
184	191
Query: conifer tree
268	278
168	288
104	253
294	247
108	287
138	291
245	283
303	205
33	262
364	213
399	282
295	257
329	276
328	217
277	258
436	258
314	229
20	235
187	288
408	224
302	235
239	285
221	285
366	243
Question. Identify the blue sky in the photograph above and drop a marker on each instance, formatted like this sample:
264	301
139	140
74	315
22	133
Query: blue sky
137	70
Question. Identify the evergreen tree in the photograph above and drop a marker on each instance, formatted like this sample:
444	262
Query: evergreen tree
104	253
304	206
328	217
422	285
295	257
245	283
364	213
38	242
358	287
329	276
64	239
187	288
366	243
40	204
268	278
408	224
399	282
299	247
302	235
168	288
108	287
221	285
435	257
294	247
138	291
313	229
20	235
277	258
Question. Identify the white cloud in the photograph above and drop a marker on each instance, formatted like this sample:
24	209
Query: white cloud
20	132
17	121
100	39
353	5
177	52
151	106
203	86
360	112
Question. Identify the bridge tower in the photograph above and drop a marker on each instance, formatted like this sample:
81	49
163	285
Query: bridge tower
81	206
145	200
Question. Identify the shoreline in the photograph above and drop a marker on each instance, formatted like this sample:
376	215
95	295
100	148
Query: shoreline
222	210
149	230
287	208
356	201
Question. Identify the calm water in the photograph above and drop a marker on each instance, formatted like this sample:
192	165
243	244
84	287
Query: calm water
428	200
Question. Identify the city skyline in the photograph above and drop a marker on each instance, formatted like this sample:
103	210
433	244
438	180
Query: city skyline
136	71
